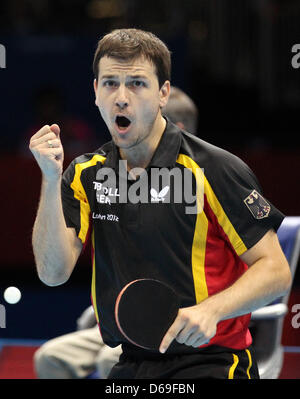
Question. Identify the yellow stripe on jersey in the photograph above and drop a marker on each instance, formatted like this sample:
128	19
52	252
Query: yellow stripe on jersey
250	363
199	240
93	289
223	220
80	194
233	367
218	210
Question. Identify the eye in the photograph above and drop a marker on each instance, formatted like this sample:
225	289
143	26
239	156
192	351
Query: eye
137	83
110	83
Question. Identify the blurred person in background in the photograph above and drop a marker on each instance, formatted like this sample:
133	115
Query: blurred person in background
182	110
81	353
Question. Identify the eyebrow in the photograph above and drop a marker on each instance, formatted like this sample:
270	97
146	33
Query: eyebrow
138	76
108	77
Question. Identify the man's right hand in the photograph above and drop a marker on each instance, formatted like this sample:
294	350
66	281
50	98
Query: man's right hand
47	149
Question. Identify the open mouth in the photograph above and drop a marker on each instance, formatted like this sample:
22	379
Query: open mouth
122	122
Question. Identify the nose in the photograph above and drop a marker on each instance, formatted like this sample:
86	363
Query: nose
122	97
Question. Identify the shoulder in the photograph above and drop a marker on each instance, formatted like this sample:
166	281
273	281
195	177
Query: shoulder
88	160
98	155
215	161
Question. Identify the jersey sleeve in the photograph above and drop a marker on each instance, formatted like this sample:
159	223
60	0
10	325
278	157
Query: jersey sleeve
236	197
75	204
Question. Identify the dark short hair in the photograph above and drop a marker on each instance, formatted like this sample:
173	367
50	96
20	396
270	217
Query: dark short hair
130	44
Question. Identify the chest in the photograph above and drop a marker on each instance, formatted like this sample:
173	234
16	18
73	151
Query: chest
157	199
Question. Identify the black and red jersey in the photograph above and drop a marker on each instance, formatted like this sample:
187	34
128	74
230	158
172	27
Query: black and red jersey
151	228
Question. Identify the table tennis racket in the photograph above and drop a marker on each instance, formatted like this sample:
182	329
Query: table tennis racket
144	311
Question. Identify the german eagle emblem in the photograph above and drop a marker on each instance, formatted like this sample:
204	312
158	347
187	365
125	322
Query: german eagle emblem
257	205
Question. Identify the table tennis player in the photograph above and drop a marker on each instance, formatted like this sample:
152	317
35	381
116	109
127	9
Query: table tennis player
82	353
223	260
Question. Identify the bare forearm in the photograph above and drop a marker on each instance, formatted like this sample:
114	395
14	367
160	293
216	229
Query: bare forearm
51	246
257	287
267	278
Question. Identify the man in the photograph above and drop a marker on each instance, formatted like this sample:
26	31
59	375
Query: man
224	260
81	353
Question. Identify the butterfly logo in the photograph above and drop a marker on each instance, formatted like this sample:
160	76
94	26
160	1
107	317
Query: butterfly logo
159	197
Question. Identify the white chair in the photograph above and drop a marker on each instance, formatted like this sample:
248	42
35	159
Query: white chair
267	323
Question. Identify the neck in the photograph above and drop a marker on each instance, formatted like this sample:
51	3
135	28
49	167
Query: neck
140	155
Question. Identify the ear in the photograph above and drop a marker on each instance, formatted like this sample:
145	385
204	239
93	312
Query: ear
95	90
164	94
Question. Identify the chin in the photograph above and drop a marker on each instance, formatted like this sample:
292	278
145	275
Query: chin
123	143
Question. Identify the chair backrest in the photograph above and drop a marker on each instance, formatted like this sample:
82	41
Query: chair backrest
289	238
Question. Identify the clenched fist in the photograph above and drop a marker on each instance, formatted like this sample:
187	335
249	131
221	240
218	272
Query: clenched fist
47	149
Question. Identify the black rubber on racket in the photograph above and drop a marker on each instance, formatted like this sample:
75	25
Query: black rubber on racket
144	311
